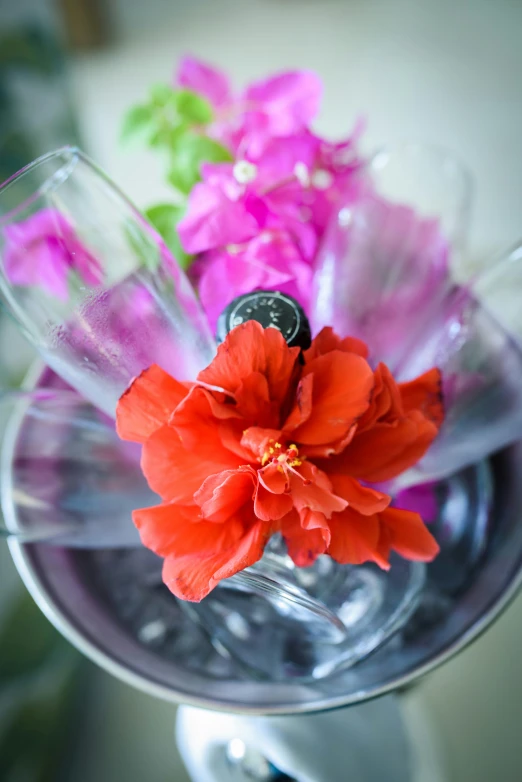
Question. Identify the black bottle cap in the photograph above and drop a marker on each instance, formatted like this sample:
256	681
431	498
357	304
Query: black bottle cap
269	308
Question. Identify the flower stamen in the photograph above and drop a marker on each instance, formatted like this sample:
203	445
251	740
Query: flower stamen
286	460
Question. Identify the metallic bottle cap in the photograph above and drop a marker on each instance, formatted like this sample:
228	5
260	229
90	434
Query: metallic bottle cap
269	308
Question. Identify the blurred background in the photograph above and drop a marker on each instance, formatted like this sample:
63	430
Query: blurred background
442	71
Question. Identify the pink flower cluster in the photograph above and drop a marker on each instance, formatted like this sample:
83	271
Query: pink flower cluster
256	223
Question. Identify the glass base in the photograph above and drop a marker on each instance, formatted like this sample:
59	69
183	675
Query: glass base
280	622
275	622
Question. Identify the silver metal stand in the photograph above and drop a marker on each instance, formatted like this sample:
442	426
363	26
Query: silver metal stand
372	742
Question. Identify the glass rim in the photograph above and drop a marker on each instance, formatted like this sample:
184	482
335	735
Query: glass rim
68	156
411	145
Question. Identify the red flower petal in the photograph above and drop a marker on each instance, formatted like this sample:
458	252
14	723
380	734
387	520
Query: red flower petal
194	420
249	551
327	340
253	401
342	387
231	436
221	405
312	519
270	506
311	490
250	348
386	404
331	449
192	577
354	537
175	472
258	440
147	404
223	495
274	479
302	408
362	499
271	501
384	451
424	394
304	546
170	529
408	535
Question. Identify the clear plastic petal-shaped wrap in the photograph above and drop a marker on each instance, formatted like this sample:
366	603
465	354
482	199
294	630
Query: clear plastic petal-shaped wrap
92	286
476	340
386	274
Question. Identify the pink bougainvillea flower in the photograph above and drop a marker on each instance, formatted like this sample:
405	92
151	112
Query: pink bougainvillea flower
257	223
270	439
271	261
280	105
42	251
248	233
294	185
421	499
324	175
206	80
216	218
286	181
236	202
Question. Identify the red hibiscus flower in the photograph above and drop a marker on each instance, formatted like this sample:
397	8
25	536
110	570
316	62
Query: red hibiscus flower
271	441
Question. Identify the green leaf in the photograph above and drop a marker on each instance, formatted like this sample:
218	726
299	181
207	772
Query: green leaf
160	137
170	137
193	108
191	151
139	119
164	218
162	94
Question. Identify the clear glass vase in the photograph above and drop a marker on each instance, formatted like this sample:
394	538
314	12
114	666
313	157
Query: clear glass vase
100	297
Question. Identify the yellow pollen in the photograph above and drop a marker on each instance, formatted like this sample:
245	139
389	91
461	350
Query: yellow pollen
289	458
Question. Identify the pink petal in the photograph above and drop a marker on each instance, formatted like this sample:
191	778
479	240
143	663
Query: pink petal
279	156
221	175
213	220
226	276
420	499
210	82
291	100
